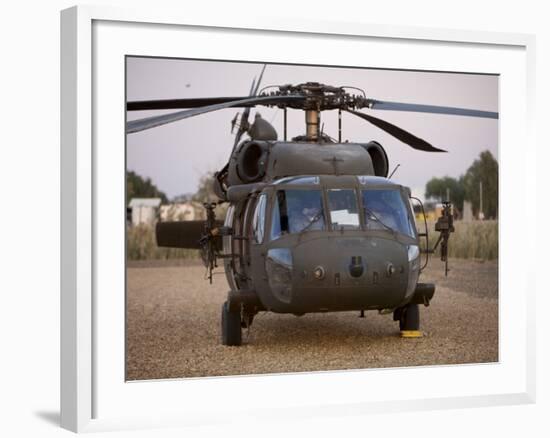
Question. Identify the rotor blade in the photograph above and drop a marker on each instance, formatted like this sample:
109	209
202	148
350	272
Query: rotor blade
243	126
400	134
417	108
253	92
246	112
163	104
252	88
259	81
151	122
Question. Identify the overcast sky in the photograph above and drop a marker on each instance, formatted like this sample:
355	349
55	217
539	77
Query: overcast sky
175	156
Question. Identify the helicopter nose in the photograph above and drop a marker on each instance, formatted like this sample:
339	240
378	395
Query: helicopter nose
348	273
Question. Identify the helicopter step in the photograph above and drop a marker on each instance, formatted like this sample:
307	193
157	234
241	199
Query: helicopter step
423	293
243	297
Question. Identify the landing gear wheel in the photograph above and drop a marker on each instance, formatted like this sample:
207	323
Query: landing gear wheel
231	326
409	321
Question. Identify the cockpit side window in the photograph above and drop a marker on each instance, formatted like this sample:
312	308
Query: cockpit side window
276	220
258	221
295	211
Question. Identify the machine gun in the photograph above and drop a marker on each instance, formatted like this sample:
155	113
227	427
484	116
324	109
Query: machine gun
445	227
208	241
183	234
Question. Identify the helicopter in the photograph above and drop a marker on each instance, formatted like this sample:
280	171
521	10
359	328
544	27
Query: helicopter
314	223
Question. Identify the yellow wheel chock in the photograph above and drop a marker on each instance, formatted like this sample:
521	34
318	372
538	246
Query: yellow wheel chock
411	334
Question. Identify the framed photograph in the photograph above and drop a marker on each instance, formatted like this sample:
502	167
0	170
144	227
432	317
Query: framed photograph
240	224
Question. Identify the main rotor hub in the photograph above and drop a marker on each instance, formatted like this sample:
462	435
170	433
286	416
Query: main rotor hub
319	97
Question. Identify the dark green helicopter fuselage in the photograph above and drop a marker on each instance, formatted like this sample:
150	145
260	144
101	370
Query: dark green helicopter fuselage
341	258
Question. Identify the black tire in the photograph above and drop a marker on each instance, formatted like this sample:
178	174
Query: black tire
231	326
410	318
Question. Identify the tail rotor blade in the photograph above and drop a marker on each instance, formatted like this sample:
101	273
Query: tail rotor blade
255	92
244	125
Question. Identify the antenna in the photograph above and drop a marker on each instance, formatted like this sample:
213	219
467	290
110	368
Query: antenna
389	177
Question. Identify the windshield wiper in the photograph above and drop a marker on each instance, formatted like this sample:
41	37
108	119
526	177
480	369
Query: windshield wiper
312	221
377	219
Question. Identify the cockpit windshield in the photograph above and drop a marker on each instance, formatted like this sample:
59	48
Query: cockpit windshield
343	209
295	211
385	209
298	210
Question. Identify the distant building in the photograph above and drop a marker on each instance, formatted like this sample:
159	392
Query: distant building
430	210
182	211
433	210
144	210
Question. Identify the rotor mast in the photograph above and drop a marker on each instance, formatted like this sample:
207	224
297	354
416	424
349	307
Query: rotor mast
313	121
315	94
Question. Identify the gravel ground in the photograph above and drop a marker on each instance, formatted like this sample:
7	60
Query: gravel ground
173	327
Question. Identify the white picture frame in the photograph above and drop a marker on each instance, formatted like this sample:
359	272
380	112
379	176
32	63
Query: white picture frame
88	376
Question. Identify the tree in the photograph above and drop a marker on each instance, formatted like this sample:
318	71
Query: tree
205	191
184	197
437	188
137	187
484	170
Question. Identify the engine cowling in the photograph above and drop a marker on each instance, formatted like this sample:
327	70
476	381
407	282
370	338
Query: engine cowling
379	158
255	160
252	161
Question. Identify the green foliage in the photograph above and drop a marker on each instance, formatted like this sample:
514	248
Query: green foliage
470	240
184	197
205	191
467	186
436	188
137	187
484	169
